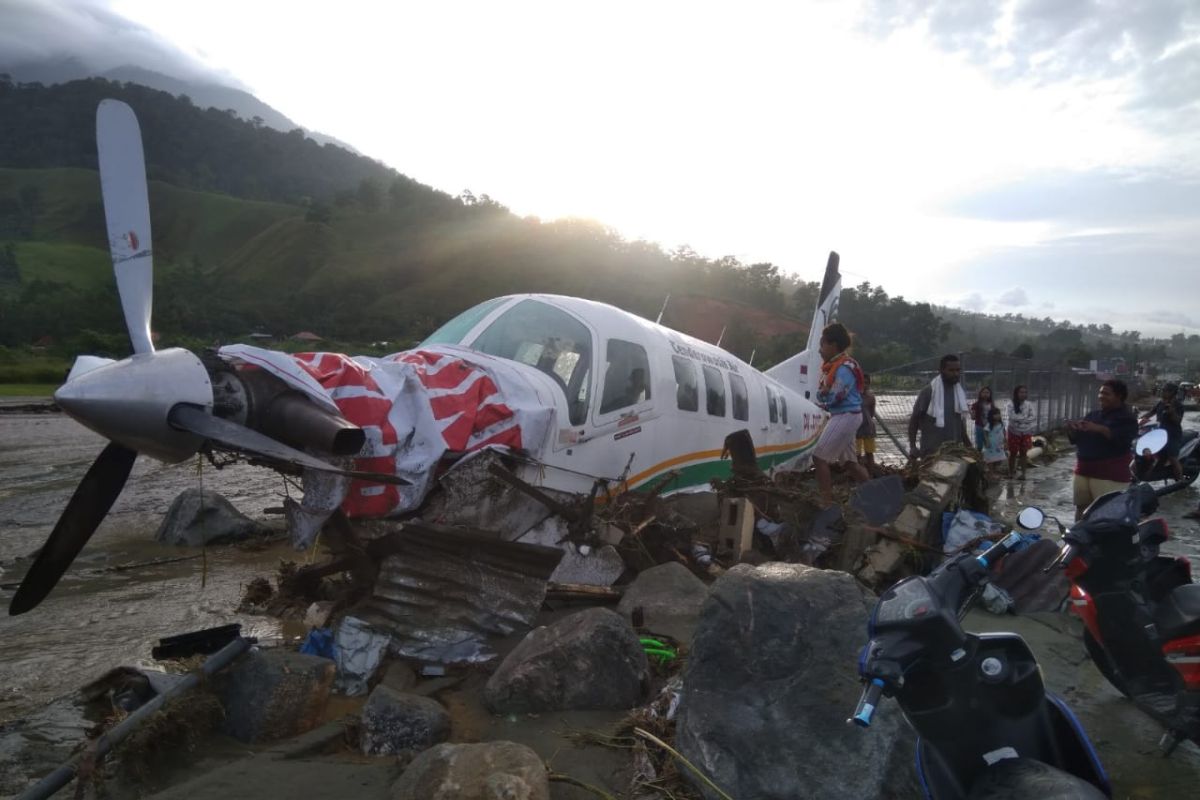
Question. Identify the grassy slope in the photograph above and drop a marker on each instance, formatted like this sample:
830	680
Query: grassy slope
69	238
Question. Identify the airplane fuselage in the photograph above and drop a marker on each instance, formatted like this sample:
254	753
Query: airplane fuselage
633	400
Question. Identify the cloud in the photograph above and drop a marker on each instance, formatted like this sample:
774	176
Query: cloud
65	40
972	302
1099	199
1013	297
1150	42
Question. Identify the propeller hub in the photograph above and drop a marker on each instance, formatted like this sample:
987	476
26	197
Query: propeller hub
128	401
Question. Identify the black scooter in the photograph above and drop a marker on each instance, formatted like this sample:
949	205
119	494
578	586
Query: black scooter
986	726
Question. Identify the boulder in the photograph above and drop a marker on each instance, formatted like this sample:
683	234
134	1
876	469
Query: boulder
588	660
274	694
199	517
769	682
394	722
488	771
670	598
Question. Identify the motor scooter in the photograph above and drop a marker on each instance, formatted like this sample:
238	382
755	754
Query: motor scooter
1140	609
986	726
1152	467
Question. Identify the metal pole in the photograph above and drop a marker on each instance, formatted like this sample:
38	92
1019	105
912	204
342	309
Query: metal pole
63	775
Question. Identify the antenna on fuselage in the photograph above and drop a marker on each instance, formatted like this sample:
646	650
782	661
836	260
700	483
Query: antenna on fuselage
722	336
752	352
661	311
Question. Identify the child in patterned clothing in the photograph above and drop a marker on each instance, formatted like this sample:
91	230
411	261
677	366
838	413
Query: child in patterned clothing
993	441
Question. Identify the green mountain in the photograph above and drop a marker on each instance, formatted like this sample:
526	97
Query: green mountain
258	230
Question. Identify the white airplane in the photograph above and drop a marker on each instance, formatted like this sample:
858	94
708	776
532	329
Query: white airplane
572	390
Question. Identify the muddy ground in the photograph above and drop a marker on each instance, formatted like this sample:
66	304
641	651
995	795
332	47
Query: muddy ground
99	618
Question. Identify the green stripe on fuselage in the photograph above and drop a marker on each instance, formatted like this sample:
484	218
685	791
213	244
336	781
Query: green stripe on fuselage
702	472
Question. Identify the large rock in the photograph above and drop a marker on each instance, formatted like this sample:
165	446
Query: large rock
769	683
274	694
489	771
589	660
394	722
670	598
199	517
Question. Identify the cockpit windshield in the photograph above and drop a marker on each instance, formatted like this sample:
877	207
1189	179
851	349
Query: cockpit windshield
549	339
454	330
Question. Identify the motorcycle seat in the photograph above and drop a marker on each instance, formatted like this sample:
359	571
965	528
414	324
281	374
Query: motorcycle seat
1179	612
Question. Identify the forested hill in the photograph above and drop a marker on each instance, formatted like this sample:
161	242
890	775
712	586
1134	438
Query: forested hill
257	230
193	148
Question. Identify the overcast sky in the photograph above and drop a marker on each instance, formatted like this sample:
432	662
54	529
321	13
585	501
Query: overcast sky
1040	156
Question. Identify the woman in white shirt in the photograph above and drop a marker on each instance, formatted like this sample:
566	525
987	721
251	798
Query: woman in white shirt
1022	424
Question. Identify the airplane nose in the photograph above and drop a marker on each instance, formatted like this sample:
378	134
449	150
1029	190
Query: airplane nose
128	401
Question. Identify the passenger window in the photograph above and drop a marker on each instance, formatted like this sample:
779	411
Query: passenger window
687	388
741	400
626	377
772	407
714	390
549	339
783	409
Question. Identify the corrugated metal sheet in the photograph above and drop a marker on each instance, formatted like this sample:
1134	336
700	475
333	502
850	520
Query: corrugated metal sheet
447	590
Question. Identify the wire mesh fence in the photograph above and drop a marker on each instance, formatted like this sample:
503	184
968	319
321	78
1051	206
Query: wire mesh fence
1056	391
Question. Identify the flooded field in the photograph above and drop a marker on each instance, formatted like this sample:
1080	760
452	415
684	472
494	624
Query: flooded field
97	617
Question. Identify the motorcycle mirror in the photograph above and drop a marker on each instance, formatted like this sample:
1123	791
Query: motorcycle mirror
1151	443
1031	518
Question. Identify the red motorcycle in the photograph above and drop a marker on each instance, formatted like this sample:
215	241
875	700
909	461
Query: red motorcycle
1141	610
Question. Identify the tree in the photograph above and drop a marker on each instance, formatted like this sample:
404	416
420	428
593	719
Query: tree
1023	350
369	195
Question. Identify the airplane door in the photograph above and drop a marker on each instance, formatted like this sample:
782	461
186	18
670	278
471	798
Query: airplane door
626	396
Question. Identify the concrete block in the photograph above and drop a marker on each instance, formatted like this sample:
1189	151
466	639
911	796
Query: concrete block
736	533
884	560
934	494
950	470
913	522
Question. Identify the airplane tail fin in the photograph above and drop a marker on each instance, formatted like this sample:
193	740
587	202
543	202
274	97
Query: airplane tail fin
799	372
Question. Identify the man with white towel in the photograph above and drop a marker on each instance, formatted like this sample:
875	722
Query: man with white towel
940	413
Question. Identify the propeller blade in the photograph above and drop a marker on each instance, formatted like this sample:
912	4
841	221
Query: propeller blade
127	210
86	510
247	440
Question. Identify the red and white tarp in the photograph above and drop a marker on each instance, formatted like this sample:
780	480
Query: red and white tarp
415	406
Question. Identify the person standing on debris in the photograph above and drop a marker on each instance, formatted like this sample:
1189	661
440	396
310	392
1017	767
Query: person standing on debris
981	412
939	415
1022	424
1103	440
1168	411
840	393
864	439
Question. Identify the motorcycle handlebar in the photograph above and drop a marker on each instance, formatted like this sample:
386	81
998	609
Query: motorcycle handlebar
1065	556
867	704
1000	549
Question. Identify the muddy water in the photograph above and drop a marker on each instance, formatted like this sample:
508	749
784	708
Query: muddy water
98	618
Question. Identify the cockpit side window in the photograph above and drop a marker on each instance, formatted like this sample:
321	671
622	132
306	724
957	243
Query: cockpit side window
626	377
549	339
772	407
